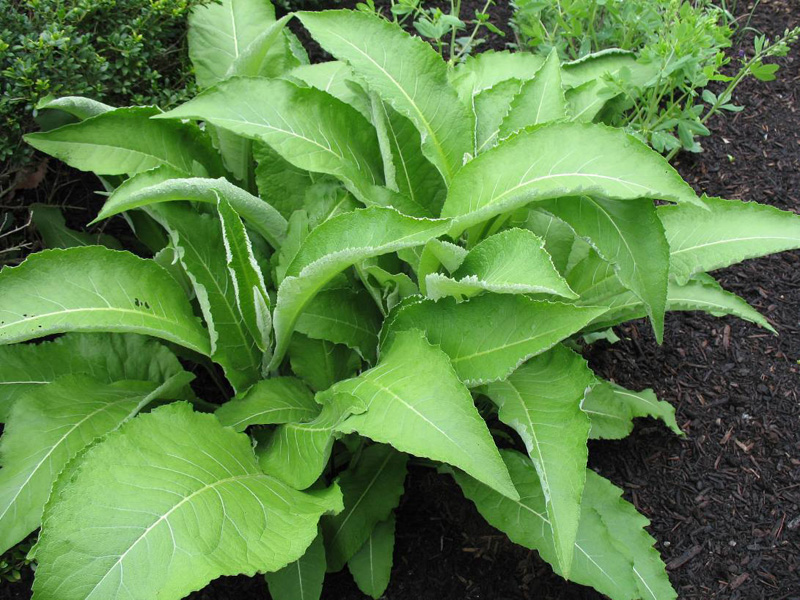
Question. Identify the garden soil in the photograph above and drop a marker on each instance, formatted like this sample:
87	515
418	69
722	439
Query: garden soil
724	501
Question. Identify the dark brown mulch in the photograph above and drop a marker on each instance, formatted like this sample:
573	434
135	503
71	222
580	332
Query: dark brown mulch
725	501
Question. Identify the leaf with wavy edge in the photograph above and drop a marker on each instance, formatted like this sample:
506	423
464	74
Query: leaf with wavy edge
405	72
612	408
198	241
269	402
415	402
541	401
539	100
729	232
613	551
167	185
556	160
629	235
307	127
50	425
126	141
504	331
331	248
510	262
483	71
92	288
165	504
107	357
371	487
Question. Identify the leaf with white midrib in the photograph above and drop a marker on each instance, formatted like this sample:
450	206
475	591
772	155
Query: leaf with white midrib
92	288
377	50
557	160
35	450
167	503
731	231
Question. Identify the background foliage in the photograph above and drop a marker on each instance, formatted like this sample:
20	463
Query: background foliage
117	51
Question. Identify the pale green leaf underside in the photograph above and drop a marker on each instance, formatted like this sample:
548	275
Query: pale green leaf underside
505	331
49	426
331	248
106	357
126	141
95	289
730	232
220	32
560	159
613	552
259	214
77	106
405	72
416	403
164	505
542	401
269	402
511	262
371	490
307	127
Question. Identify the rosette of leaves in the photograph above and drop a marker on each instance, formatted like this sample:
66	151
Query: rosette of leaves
361	248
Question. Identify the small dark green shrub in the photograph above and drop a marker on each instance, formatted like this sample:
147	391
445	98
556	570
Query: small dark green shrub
117	51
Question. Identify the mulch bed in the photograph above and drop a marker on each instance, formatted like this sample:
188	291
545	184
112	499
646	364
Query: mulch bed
725	500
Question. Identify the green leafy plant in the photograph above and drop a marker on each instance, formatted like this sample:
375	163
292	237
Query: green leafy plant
444	29
677	48
364	247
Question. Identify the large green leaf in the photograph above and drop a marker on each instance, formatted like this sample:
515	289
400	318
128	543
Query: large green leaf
612	408
198	239
220	32
490	335
511	262
126	141
539	100
371	487
613	552
730	232
628	235
414	175
165	504
561	159
302	579
269	402
416	403
542	401
321	363
371	567
343	316
136	193
336	78
307	127
95	289
105	357
297	453
612	61
485	70
491	108
331	248
51	424
404	71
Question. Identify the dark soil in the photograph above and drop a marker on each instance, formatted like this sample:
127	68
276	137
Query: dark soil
724	501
